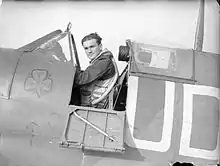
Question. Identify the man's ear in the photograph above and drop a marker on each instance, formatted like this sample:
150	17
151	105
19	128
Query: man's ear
100	46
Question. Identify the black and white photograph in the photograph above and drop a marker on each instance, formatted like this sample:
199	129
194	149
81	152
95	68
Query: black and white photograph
109	83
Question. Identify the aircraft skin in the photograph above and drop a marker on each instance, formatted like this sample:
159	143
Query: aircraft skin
32	122
169	119
172	108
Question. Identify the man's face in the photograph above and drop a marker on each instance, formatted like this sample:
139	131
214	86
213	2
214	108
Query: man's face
92	48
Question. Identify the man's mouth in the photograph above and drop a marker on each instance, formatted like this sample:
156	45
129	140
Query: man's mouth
91	55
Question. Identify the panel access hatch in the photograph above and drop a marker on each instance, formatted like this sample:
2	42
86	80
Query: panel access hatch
94	129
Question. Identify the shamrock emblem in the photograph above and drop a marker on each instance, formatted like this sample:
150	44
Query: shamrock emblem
39	82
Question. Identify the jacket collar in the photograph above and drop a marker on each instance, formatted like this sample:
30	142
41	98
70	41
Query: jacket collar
94	60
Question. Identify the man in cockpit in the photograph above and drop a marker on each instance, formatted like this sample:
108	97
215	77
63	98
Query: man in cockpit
96	78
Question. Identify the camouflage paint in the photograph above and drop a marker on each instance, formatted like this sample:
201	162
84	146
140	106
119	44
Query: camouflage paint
158	130
170	121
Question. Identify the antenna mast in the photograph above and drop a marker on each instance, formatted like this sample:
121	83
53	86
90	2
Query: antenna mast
200	28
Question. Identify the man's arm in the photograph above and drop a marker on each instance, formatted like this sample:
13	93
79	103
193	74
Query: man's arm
93	72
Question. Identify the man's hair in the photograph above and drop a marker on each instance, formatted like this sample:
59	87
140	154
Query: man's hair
92	36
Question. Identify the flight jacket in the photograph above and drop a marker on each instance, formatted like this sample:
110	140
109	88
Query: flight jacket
100	68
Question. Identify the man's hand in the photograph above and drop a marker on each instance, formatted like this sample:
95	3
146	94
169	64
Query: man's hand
77	67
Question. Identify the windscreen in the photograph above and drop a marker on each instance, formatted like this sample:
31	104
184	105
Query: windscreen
61	44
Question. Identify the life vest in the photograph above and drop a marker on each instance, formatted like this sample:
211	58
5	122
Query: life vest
95	94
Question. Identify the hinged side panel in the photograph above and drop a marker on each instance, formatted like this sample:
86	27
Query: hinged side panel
80	134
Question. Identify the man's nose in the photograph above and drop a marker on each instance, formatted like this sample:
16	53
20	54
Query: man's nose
89	50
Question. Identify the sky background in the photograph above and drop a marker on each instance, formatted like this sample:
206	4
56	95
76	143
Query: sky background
171	24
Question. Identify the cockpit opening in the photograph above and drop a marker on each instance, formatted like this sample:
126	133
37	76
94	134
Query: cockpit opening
98	128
